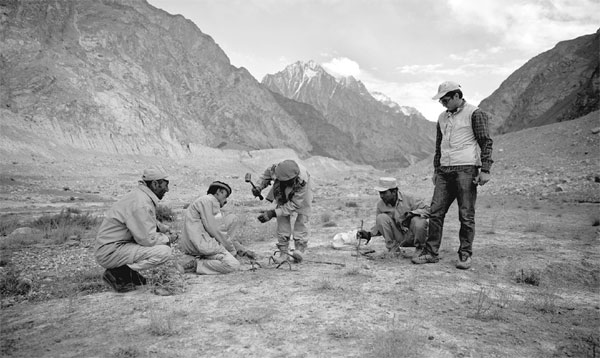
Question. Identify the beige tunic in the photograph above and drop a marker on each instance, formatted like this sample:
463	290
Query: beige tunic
201	234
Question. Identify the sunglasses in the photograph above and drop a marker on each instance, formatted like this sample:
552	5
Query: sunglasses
445	100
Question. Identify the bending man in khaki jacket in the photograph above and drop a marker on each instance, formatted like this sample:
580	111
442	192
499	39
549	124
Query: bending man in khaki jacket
130	238
292	192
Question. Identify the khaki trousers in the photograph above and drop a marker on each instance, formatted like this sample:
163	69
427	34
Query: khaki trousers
137	257
415	236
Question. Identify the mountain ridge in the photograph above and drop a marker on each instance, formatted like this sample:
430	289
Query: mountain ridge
381	134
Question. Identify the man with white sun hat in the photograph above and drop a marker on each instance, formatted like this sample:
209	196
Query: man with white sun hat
462	161
400	218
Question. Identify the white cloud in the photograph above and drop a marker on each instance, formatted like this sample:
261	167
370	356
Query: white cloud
419	69
342	66
466	69
530	26
413	94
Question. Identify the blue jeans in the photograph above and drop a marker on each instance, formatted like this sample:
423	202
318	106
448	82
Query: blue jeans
452	185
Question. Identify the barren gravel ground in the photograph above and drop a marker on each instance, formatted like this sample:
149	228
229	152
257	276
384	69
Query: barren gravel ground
527	230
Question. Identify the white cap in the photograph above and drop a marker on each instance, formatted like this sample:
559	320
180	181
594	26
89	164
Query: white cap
446	87
386	184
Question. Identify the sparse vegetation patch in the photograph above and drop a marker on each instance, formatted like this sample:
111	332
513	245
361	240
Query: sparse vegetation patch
165	214
530	277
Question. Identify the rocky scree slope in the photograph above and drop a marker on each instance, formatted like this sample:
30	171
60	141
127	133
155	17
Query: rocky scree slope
556	161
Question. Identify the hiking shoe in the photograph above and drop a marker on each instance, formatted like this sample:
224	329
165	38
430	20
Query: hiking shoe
464	262
297	258
188	266
117	282
425	258
418	252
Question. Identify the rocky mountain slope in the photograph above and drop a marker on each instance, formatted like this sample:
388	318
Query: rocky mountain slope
558	85
125	77
382	135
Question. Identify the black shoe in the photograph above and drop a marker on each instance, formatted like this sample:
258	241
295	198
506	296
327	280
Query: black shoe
116	282
130	275
136	277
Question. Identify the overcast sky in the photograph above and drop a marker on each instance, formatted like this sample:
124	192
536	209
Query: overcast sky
402	48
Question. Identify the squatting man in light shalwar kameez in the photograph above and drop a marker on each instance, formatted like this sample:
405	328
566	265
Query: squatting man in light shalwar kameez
207	238
400	218
130	237
292	193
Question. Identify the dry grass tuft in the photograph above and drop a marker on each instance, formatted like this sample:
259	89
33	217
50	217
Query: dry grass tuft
129	352
325	284
544	301
8	223
488	303
53	229
399	340
13	284
530	277
162	323
533	227
165	280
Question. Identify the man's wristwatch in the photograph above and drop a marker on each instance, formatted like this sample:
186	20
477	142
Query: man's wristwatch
485	171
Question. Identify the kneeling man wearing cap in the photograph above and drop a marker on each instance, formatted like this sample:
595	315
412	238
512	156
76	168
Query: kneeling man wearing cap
130	237
206	241
400	218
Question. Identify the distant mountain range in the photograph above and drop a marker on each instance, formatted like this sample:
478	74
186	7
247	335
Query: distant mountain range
373	132
125	77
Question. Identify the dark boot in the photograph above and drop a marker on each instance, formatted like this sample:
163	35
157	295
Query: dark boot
132	276
137	278
117	280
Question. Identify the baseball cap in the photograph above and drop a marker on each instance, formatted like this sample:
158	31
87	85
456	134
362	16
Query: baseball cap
446	87
385	184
